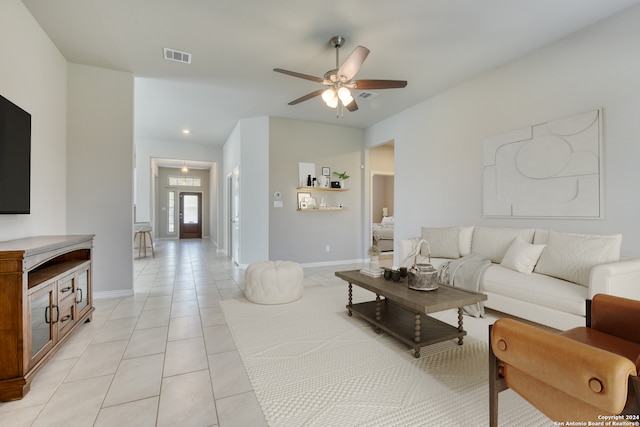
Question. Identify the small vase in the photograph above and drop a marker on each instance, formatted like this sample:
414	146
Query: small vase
374	264
343	183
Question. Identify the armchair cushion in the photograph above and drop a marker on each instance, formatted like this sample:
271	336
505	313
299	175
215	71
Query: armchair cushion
612	343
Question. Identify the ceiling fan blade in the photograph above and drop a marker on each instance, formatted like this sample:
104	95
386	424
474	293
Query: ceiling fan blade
352	106
300	75
380	84
353	62
307	96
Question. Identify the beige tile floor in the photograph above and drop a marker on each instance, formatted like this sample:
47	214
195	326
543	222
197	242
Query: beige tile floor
163	357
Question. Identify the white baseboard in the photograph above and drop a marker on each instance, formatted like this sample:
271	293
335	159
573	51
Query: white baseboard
330	263
123	293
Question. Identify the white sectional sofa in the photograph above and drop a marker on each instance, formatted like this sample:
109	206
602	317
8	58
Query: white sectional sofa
541	275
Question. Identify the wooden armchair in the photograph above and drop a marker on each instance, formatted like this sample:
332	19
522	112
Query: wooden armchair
582	374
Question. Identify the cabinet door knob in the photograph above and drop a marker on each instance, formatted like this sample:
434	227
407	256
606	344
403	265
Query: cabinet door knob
79	295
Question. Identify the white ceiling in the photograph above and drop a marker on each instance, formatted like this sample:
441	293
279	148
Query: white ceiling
433	44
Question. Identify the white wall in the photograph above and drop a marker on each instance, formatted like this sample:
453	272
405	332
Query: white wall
33	75
303	236
438	143
247	149
100	172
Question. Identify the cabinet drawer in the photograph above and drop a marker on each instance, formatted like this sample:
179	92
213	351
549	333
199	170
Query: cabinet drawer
66	287
67	316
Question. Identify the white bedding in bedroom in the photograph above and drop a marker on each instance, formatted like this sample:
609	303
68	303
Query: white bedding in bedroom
382	231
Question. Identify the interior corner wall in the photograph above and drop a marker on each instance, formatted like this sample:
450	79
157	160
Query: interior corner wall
247	149
100	172
33	75
438	143
304	236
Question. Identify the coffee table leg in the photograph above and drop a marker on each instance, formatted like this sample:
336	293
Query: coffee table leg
350	300
460	328
417	337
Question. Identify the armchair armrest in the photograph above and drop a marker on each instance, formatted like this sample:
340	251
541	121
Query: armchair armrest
555	373
620	278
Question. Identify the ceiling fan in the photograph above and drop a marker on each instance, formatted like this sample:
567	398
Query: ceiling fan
339	81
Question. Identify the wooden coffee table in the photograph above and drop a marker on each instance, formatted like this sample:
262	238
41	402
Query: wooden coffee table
403	313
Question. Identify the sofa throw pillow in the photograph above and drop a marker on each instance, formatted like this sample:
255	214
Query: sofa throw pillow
466	235
571	256
442	241
493	242
522	256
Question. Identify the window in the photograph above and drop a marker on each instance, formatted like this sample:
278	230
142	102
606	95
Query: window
184	181
171	213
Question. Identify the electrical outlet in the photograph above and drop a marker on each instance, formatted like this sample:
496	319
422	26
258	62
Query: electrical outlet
327	248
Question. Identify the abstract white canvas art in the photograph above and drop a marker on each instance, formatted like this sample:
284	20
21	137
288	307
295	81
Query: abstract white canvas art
551	169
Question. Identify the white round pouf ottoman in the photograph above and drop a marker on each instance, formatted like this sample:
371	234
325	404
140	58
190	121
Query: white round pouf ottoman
273	282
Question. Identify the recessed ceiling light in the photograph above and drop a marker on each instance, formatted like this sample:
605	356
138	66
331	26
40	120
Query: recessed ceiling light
186	131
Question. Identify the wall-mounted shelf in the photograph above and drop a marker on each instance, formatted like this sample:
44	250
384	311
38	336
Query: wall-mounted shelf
323	210
321	189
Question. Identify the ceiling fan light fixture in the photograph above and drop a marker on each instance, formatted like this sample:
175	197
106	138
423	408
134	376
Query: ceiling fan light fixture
330	98
345	96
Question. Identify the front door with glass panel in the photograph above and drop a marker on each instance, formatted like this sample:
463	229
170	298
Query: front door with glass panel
190	215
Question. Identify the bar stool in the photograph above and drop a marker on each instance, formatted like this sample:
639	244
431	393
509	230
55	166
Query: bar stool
141	233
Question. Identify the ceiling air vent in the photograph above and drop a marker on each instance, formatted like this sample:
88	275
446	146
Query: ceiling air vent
176	55
366	95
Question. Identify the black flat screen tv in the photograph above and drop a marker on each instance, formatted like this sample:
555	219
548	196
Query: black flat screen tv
15	159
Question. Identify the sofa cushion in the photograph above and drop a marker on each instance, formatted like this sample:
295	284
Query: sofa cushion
571	256
444	242
493	242
522	256
545	291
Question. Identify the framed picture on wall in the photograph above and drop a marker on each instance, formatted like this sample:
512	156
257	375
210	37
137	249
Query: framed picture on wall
303	200
326	171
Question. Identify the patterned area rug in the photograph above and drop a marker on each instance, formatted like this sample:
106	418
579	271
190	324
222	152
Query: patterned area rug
311	364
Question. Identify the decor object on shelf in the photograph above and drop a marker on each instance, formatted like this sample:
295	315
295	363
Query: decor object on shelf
305	170
326	171
339	81
343	177
273	282
303	200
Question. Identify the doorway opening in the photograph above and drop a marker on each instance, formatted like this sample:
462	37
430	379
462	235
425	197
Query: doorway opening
381	199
